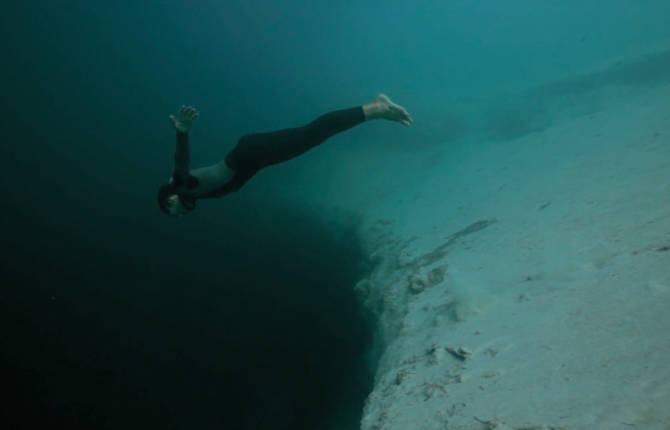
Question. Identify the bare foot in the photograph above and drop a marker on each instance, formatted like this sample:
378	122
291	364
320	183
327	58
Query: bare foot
384	108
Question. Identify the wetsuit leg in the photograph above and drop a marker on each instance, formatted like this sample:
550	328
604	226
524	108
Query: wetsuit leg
256	151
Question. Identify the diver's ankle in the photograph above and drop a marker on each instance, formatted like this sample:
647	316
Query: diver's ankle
372	110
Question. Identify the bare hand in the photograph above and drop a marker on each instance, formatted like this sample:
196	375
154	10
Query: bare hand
184	119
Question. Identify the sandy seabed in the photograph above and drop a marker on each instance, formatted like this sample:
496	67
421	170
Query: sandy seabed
529	287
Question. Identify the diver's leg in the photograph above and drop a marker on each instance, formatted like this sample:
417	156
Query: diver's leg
258	150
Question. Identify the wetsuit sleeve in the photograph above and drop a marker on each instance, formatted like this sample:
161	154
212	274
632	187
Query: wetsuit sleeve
182	158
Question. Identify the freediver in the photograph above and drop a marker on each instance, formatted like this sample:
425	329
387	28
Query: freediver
256	151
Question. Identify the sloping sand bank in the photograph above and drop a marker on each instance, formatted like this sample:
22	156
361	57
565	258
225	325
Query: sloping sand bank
529	286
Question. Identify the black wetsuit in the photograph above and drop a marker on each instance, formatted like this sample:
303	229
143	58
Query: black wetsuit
255	151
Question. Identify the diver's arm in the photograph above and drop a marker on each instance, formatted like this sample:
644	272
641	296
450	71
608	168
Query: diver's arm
199	182
182	123
182	158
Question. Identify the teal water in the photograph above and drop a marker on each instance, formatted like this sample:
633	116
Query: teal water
240	315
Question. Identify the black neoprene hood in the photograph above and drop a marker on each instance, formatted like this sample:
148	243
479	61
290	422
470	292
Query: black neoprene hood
164	192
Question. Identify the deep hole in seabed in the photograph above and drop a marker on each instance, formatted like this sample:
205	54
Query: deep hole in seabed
255	326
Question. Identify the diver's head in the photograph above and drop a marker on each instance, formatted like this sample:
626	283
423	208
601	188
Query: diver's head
172	203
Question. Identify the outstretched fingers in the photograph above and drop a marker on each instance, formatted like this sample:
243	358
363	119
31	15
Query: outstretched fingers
184	118
188	113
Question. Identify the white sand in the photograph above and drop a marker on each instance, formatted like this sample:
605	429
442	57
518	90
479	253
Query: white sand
563	293
564	301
